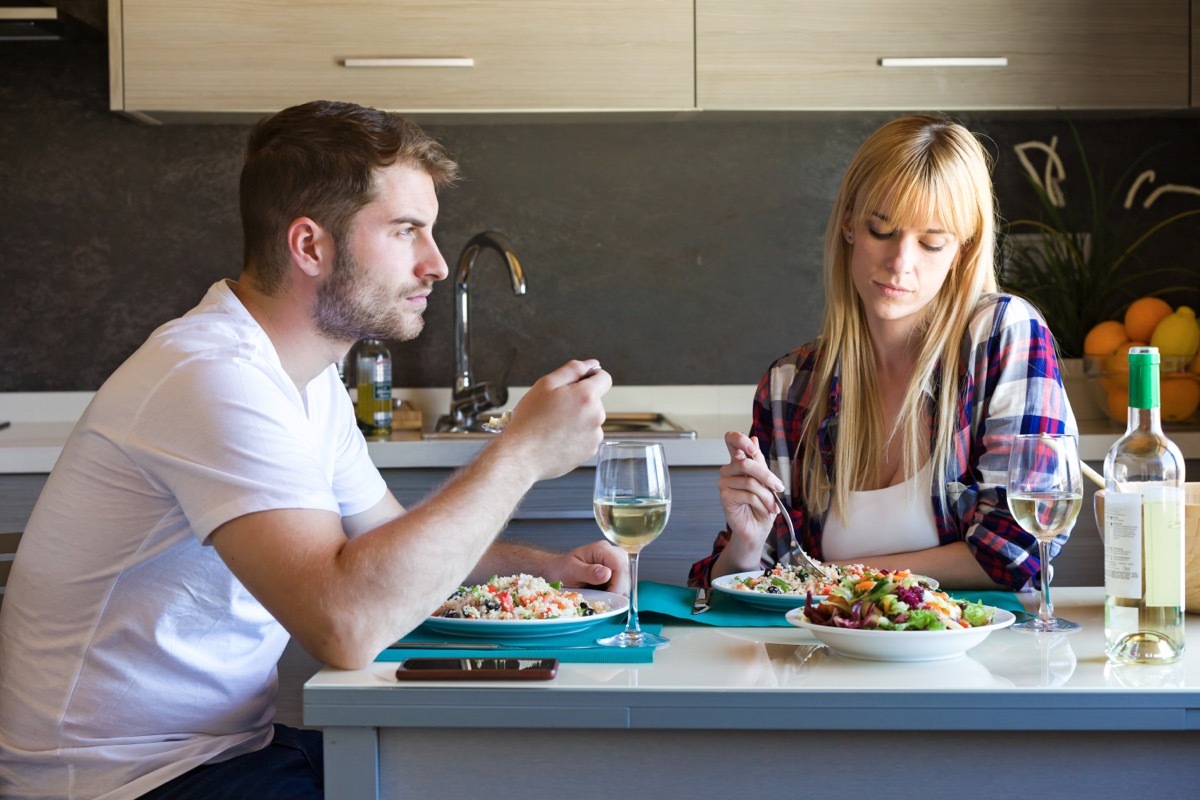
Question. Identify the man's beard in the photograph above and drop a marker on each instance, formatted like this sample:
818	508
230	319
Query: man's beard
345	311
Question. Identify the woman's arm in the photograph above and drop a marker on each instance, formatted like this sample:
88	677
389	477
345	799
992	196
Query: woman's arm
1015	387
757	461
718	562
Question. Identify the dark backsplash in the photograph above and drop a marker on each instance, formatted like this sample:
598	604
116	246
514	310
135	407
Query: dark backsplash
683	252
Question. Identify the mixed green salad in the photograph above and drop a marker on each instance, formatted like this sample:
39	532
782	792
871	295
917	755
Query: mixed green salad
886	600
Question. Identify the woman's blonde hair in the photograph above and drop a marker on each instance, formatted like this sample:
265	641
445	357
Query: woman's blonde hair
918	168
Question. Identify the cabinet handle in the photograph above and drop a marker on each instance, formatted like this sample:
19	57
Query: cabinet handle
985	61
408	62
23	13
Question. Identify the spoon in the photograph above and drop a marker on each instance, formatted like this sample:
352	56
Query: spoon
1091	474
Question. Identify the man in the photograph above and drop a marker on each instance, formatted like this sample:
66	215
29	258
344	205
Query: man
216	496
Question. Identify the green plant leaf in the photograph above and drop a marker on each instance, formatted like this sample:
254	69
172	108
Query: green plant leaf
1079	266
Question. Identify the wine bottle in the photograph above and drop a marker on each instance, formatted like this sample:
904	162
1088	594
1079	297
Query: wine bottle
374	410
1143	529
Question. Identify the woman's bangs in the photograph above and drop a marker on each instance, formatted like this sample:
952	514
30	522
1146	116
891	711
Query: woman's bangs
918	196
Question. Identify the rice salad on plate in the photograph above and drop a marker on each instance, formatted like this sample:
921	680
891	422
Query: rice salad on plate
518	597
887	600
797	580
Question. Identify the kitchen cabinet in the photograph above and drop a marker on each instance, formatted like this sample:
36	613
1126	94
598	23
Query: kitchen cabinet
1196	53
942	54
557	515
171	59
224	56
18	494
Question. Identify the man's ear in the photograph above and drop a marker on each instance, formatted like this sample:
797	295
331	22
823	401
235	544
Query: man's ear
310	246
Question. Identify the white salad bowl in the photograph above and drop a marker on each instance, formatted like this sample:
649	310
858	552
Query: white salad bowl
901	645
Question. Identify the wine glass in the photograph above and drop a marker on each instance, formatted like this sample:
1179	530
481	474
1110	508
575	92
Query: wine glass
632	500
1045	493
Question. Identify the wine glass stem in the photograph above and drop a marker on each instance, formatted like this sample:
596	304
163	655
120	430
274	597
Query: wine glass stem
631	623
1046	606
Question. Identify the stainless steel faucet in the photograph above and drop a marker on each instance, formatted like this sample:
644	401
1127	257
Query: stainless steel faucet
469	398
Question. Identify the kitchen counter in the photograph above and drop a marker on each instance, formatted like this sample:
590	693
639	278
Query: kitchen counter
725	708
41	423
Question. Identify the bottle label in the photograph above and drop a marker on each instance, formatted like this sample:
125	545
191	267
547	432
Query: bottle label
1162	519
1143	544
1122	544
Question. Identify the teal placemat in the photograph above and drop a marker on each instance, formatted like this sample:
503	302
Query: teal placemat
658	600
538	647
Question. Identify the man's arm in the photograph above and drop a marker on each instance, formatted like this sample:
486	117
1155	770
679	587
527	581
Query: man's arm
344	596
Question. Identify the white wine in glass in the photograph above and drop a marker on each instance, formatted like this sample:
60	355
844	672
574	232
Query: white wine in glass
1045	514
632	501
1045	493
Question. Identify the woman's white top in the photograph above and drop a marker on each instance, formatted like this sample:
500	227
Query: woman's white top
896	519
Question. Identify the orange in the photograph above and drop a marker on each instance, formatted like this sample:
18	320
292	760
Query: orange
1117	366
1104	338
1179	396
1143	316
1118	404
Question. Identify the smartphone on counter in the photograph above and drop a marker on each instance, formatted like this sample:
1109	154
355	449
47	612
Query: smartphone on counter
477	669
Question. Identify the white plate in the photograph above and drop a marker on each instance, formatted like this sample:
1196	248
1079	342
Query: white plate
901	645
771	602
618	604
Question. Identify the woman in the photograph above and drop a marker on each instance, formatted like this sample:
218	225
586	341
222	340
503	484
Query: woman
890	433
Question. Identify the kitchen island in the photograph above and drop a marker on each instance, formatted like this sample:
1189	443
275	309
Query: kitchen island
723	712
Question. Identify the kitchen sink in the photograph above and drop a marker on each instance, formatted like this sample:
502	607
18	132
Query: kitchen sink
624	425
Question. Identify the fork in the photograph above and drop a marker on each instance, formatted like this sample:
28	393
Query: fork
795	553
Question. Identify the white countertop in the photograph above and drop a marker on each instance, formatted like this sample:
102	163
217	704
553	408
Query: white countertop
41	422
721	709
720	675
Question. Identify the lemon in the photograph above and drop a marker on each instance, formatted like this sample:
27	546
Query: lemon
1178	334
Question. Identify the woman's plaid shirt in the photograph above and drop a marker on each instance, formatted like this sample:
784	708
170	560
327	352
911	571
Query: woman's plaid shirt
1009	383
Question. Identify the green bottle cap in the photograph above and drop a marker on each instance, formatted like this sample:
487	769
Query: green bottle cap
1143	377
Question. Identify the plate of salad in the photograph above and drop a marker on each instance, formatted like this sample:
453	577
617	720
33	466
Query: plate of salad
897	616
781	588
523	606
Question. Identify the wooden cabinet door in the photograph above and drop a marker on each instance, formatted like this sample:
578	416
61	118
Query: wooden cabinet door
1003	54
444	56
1196	53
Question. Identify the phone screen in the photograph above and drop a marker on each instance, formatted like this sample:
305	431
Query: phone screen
505	669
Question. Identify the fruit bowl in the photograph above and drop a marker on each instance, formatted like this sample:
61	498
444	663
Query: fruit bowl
1179	388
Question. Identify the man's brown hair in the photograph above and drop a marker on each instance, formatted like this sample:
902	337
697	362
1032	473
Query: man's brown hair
319	160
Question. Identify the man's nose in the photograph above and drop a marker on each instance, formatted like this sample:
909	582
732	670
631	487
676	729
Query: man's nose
432	266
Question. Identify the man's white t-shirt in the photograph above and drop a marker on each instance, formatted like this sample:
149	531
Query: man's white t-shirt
129	653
